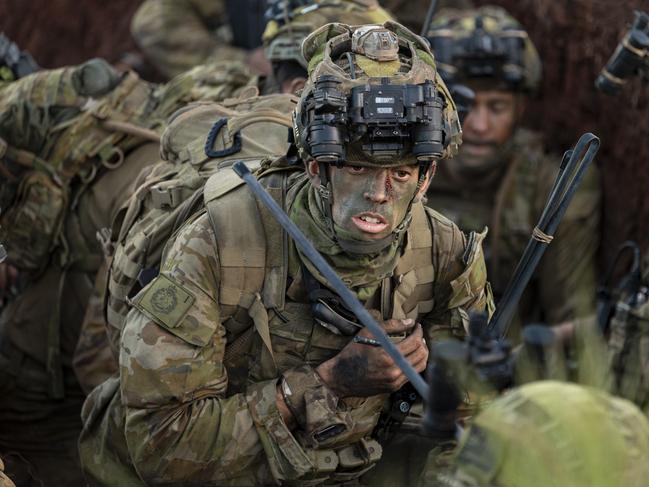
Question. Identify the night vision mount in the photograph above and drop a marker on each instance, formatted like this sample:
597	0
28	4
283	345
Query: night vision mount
389	120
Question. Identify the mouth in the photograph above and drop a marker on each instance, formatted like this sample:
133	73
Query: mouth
370	222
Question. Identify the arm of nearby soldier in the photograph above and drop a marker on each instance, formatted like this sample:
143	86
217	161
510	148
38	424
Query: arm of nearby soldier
567	274
31	106
461	284
180	425
176	35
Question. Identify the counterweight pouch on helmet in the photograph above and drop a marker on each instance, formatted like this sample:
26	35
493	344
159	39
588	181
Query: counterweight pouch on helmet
31	226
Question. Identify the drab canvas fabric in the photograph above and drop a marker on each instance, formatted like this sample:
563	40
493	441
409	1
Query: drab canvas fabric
173	190
236	263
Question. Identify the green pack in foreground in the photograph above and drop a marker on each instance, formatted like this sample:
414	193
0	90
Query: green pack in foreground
553	434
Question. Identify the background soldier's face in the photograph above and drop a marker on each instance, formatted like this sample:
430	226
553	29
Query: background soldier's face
369	202
489	124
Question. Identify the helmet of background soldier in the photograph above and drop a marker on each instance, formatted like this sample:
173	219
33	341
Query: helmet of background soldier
484	48
291	21
554	433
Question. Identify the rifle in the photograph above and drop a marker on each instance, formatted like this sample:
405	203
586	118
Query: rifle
571	172
349	299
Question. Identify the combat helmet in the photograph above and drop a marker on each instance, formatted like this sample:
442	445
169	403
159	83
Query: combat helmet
373	98
554	433
289	22
486	46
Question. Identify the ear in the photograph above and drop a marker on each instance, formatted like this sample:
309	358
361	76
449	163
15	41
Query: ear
313	171
427	180
293	85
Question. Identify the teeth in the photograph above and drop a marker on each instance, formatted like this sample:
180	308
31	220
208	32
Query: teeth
370	219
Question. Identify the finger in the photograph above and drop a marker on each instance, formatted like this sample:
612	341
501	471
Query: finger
398	326
412	341
418	355
421	365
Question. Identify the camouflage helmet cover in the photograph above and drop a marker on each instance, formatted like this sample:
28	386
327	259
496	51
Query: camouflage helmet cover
485	45
353	58
283	37
580	435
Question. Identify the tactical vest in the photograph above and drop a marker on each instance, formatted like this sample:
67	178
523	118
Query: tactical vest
198	142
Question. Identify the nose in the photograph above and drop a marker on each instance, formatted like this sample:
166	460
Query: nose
477	121
380	187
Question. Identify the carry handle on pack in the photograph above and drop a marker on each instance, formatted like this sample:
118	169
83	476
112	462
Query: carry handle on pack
350	300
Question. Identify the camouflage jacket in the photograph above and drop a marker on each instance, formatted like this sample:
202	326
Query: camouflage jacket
177	35
195	401
564	284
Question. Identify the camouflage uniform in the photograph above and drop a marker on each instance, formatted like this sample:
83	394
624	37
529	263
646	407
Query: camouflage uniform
511	204
581	436
510	197
79	173
177	35
207	340
41	399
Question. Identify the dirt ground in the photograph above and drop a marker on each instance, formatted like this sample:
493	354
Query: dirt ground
574	37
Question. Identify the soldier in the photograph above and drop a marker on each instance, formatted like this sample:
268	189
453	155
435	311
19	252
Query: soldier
218	81
176	35
225	376
75	141
580	436
502	176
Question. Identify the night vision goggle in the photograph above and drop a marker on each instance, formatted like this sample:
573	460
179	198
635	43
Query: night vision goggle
388	120
481	55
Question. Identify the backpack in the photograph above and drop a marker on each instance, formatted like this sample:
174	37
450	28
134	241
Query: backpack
199	141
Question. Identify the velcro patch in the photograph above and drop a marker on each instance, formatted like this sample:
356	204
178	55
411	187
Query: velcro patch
165	301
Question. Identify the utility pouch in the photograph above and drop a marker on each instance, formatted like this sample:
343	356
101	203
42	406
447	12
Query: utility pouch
32	224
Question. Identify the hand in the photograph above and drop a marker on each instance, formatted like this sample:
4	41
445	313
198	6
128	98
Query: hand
362	370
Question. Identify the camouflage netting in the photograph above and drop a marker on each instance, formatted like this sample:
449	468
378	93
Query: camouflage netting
575	39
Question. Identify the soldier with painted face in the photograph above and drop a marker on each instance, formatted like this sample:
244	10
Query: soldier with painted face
502	175
237	363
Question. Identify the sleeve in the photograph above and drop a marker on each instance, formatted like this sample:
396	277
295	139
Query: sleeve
181	427
567	274
177	35
461	285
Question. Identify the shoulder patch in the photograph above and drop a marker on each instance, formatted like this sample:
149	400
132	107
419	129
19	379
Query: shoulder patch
165	301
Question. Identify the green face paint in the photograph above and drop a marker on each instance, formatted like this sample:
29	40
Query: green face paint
368	203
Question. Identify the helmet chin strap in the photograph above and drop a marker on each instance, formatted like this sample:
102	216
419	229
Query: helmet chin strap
357	246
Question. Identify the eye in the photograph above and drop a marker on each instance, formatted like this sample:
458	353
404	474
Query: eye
401	175
356	169
499	107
